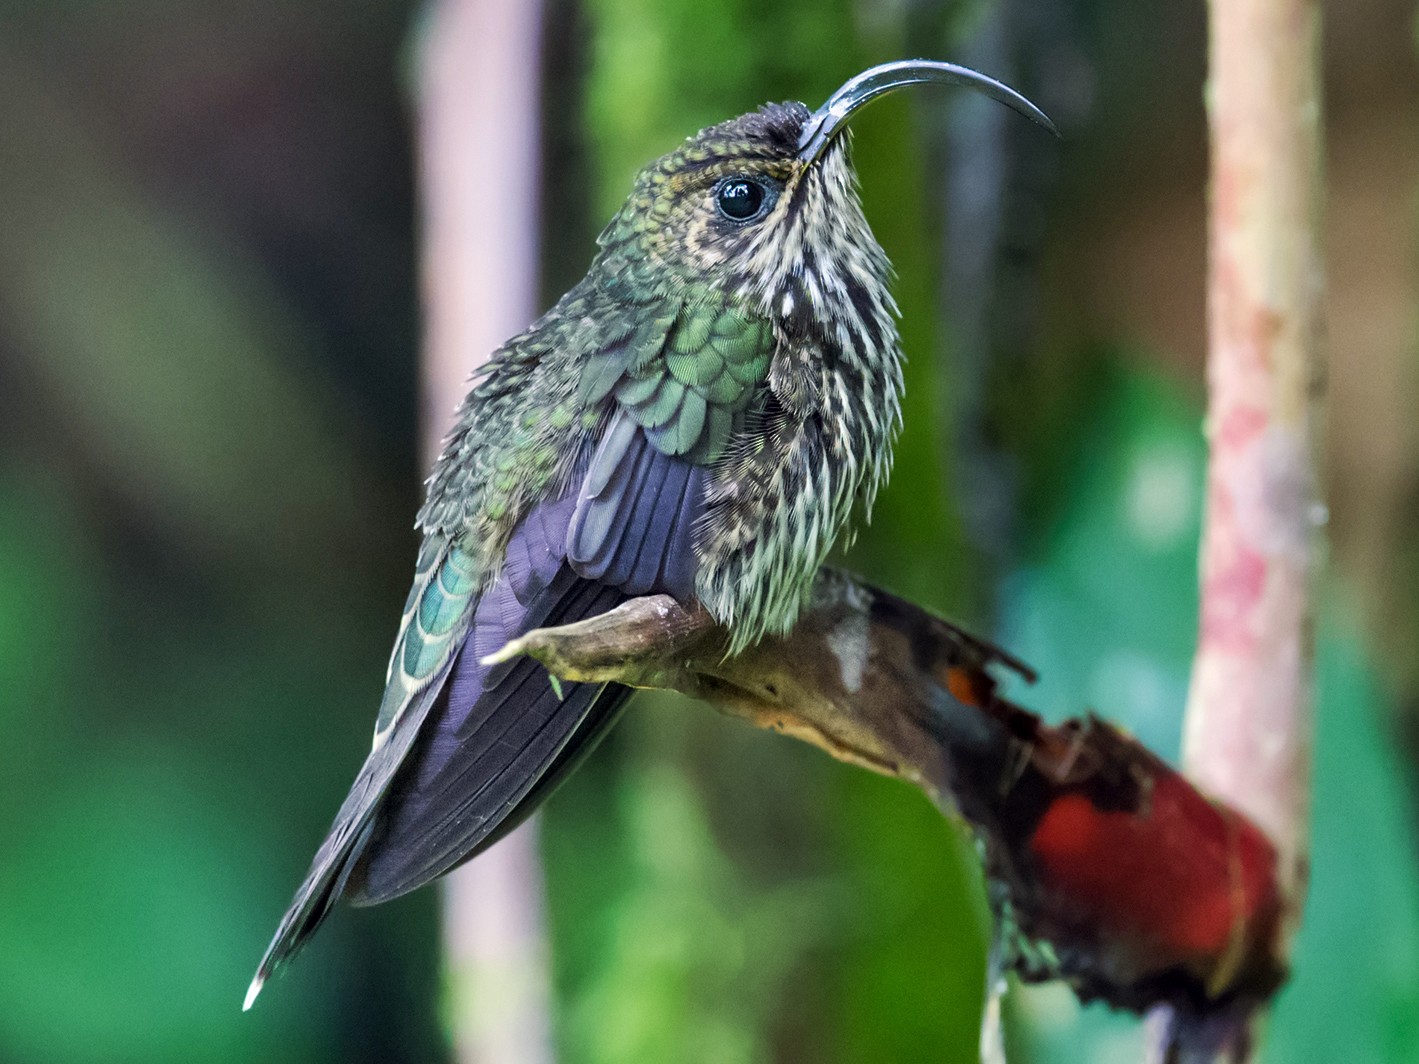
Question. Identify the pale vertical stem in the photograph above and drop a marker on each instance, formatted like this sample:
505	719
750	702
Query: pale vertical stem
1248	730
479	159
1247	734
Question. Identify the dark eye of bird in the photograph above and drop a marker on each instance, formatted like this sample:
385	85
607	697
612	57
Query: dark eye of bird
739	199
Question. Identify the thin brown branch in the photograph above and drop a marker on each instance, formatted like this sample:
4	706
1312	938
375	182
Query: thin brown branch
1109	869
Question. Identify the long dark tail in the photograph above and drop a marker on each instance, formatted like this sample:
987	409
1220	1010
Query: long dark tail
334	861
471	758
480	747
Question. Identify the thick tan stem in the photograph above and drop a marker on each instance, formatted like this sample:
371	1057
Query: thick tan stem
1248	717
1247	733
479	162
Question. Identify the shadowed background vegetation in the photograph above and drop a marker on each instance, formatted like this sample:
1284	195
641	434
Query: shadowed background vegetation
208	470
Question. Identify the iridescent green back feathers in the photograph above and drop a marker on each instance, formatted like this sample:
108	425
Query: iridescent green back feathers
753	338
687	378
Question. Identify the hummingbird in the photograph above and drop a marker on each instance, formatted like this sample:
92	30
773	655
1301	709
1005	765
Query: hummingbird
702	416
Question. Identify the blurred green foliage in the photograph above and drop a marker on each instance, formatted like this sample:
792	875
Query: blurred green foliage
207	431
199	550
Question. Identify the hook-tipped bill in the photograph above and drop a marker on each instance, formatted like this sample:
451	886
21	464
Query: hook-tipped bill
827	122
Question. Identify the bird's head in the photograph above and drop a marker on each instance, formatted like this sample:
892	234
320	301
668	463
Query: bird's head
764	207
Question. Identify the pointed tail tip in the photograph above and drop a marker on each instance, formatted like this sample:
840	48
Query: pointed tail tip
253	990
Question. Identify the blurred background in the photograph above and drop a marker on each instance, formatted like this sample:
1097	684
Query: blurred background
210	459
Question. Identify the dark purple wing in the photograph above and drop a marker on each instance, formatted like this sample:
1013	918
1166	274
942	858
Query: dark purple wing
478	749
499	740
635	517
493	735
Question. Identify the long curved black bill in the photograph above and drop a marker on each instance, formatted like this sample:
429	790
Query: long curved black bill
827	122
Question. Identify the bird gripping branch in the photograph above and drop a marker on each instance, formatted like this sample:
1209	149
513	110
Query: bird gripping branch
700	416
